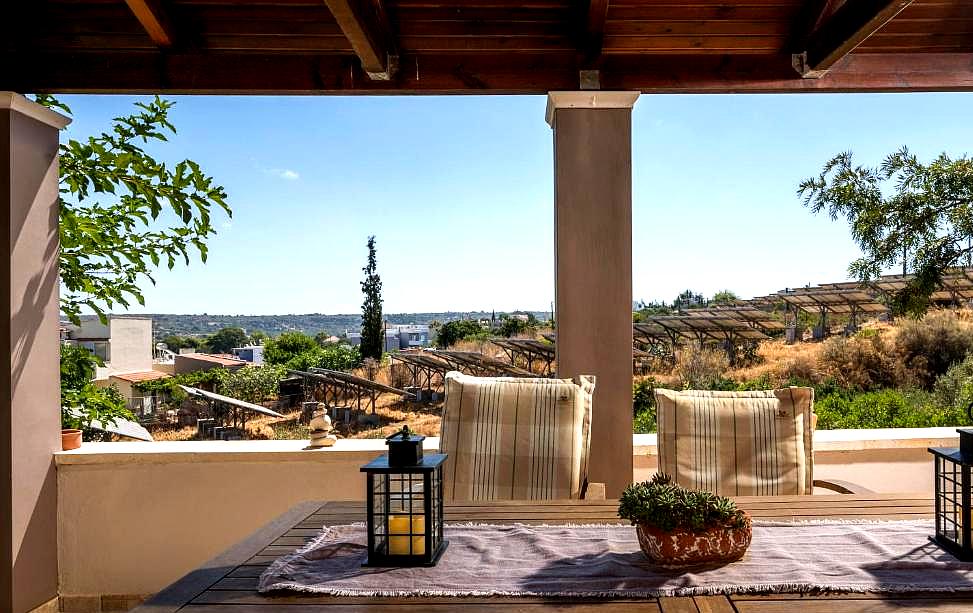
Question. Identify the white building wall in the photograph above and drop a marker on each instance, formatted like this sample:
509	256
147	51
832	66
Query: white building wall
130	346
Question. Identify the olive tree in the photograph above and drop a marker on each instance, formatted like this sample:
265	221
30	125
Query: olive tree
123	213
903	212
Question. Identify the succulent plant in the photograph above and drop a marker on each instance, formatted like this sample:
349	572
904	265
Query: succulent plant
666	505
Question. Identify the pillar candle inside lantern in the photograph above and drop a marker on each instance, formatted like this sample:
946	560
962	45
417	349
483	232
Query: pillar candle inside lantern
399	545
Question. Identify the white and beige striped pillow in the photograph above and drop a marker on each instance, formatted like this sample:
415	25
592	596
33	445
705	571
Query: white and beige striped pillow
738	443
515	438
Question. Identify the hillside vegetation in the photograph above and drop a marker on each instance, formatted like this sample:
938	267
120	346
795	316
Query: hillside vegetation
164	324
913	373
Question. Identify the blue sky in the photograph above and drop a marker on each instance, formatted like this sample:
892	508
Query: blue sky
459	193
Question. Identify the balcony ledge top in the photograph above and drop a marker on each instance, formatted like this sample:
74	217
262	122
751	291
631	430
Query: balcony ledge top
167	452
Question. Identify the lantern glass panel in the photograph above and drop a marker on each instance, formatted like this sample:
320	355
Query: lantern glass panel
949	493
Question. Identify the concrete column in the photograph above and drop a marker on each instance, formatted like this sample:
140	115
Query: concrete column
30	421
593	261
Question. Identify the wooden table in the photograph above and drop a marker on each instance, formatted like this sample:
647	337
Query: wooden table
227	584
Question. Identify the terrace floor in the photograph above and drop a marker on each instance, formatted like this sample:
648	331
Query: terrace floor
228	582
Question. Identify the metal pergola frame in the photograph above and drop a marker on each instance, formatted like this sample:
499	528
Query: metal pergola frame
529	352
428	368
335	386
224	408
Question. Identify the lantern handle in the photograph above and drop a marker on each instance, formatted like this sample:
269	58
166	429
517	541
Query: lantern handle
405	432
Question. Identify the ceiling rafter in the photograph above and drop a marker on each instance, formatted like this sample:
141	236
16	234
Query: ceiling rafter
810	16
368	29
838	35
592	41
154	19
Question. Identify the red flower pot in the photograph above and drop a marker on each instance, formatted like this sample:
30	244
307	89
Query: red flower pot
682	548
70	439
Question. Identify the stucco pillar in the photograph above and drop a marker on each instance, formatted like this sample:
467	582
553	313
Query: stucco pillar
30	419
593	261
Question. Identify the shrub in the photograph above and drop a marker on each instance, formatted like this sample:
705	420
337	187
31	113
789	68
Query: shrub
763	382
285	347
860	362
334	357
643	405
82	402
514	326
702	368
644	423
452	332
884	409
801	368
955	384
251	383
224	340
748	354
929	346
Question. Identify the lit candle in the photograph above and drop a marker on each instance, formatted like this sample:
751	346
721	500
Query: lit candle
399	545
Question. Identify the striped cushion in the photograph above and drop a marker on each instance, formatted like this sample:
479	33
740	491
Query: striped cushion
515	439
738	443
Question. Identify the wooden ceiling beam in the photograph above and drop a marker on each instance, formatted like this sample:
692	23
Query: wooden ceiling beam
811	14
838	35
592	42
368	30
154	20
280	74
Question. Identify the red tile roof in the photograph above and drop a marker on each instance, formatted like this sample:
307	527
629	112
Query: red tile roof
138	377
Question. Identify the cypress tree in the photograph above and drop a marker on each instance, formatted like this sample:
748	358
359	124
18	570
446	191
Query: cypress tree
372	332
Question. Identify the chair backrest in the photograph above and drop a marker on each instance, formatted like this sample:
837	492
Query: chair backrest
515	438
738	443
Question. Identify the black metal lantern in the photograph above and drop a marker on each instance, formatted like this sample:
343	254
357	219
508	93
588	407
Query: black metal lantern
953	496
404	502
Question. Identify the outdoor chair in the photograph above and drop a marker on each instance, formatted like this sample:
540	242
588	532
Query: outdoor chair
757	443
514	438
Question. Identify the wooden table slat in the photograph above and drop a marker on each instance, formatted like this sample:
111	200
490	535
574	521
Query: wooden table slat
413	605
678	605
713	604
937	605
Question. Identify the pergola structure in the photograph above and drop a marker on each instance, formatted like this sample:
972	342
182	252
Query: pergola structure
755	318
855	299
332	386
671	331
228	412
824	300
528	352
427	368
591	57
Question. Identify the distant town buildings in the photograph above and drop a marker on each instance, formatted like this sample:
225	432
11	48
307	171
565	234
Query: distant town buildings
124	344
407	336
398	336
251	353
193	362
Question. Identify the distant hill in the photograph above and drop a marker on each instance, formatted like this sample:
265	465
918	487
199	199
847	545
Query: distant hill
310	323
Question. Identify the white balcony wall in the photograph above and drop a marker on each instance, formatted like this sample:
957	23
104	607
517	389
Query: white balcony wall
133	517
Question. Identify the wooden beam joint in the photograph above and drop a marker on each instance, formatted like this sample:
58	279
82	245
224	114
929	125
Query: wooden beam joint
154	20
368	30
592	37
838	35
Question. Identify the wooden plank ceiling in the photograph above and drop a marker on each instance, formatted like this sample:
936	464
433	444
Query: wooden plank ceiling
486	46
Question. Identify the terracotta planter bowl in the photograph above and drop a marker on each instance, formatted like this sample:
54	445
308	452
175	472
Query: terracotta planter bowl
683	548
70	439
